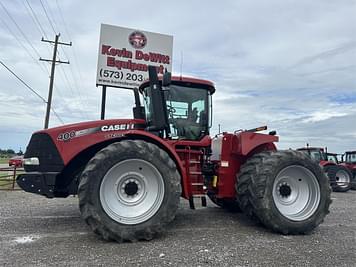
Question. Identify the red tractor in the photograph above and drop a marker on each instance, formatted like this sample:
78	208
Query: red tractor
339	176
349	161
129	174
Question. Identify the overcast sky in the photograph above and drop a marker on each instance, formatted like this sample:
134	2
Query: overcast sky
290	65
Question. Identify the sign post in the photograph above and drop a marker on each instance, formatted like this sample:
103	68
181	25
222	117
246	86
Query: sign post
124	57
103	101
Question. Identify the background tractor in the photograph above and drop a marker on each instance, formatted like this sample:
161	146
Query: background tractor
349	161
129	174
339	176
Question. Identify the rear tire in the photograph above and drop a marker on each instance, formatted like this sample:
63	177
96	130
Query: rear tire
340	178
129	191
353	182
284	190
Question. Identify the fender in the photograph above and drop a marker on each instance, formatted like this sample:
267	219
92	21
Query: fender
324	163
235	149
247	142
72	140
143	135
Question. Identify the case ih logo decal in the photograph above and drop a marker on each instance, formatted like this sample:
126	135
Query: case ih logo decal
137	39
117	127
67	136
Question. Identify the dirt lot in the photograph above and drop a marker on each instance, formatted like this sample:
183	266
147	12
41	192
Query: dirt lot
39	231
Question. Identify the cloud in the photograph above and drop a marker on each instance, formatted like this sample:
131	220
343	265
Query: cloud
287	64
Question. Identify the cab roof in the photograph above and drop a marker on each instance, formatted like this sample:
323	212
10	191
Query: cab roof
312	148
332	154
185	81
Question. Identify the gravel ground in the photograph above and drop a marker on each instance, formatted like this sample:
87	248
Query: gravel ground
44	232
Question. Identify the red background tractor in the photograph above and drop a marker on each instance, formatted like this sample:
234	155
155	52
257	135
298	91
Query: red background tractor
339	176
129	174
349	161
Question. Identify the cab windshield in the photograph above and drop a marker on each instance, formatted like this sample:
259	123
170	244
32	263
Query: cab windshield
351	158
316	155
187	111
332	158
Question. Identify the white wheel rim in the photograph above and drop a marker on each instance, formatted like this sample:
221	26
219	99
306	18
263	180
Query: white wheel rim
132	191
342	178
296	193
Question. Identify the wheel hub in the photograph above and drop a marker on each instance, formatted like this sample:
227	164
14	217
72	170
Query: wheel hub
131	188
285	190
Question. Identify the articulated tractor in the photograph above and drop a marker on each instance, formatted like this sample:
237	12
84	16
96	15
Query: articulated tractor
129	174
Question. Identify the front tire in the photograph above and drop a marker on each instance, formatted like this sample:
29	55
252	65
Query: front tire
284	190
129	191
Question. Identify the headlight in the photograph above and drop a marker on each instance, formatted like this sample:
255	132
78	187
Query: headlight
31	161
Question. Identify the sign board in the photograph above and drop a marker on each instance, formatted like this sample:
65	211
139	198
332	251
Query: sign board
125	54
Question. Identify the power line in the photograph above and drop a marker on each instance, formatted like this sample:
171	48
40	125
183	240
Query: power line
45	2
32	18
78	86
31	89
23	82
55	114
54	25
62	18
71	89
48	18
19	29
73	76
36	19
41	30
24	47
35	22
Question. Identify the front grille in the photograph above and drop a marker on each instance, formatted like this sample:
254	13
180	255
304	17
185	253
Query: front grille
42	147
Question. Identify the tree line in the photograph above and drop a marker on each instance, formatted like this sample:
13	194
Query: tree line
6	153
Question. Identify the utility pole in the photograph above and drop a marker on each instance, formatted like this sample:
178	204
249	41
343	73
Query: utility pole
51	82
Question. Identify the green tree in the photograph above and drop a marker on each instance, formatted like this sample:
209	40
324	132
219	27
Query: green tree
10	151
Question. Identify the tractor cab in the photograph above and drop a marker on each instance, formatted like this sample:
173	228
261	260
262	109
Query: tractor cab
350	157
181	109
315	153
332	157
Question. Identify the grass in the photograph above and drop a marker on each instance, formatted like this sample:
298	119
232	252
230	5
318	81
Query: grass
6	179
5	184
4	160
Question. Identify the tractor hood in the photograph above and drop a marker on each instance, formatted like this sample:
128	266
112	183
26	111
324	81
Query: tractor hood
70	131
60	144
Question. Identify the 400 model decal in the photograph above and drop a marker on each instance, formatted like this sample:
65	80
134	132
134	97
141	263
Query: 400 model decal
105	128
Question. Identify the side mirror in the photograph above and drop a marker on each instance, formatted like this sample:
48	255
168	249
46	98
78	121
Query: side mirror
166	80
